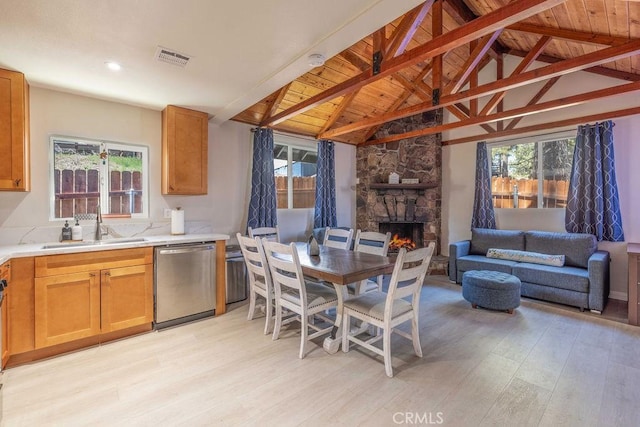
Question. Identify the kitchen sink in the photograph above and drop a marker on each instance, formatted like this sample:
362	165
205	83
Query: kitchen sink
94	243
121	240
66	245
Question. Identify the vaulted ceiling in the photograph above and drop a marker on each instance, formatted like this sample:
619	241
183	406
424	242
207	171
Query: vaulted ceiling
432	57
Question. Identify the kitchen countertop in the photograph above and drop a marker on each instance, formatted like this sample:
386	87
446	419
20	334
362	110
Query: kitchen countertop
37	249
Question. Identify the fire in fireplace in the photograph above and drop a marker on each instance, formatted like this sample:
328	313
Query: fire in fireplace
396	243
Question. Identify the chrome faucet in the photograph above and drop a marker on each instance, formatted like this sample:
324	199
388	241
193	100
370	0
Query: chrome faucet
99	231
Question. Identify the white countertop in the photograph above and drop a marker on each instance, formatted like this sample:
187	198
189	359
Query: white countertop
37	249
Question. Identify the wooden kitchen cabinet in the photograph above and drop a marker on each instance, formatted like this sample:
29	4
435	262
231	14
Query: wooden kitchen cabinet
185	139
127	297
14	132
87	294
5	274
67	308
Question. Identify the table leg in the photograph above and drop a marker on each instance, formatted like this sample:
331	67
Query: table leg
331	344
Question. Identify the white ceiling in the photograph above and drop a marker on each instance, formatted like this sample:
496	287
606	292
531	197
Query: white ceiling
241	50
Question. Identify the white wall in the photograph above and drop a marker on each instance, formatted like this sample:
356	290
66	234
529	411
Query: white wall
459	175
230	148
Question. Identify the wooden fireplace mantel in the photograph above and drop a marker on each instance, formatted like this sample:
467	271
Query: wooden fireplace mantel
385	186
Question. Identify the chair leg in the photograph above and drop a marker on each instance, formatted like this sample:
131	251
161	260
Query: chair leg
276	327
415	335
303	335
346	320
269	316
386	349
252	305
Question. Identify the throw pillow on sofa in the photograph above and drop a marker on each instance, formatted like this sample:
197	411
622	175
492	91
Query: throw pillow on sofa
525	256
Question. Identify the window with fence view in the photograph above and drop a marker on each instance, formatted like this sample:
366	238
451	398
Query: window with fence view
532	174
295	175
87	173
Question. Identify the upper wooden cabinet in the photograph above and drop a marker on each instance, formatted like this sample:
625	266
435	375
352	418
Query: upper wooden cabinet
14	131
185	139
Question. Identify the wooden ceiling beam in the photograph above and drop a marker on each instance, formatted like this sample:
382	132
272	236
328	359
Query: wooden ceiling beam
471	63
437	28
473	82
534	100
571	35
487	24
565	102
546	126
276	103
423	91
553	70
379	41
458	11
355	60
405	31
346	101
521	67
602	71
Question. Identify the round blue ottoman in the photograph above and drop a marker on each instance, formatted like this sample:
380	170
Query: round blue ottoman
491	289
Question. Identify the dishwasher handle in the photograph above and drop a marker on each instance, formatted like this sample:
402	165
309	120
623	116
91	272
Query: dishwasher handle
187	250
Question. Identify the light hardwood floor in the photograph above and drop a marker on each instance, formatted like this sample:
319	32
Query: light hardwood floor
543	365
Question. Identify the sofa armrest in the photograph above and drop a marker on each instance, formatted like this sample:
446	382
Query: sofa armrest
598	280
457	250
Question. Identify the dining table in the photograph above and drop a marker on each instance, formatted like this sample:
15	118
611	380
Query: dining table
341	267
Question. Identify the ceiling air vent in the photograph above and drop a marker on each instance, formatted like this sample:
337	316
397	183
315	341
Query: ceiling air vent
172	57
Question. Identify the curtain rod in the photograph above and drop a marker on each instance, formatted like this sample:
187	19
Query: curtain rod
295	135
537	135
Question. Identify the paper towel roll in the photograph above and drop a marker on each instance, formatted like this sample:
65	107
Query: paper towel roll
177	221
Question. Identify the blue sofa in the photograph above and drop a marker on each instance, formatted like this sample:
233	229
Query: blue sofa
582	280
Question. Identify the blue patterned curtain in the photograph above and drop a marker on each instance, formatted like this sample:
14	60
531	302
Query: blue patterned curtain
325	209
483	215
262	206
593	205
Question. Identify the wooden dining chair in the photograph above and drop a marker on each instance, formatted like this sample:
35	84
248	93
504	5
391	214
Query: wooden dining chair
306	299
271	233
259	278
370	242
338	238
388	310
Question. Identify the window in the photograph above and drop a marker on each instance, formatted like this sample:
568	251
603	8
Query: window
85	173
532	174
294	164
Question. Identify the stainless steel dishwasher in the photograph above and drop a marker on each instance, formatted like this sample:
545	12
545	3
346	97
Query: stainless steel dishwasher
184	283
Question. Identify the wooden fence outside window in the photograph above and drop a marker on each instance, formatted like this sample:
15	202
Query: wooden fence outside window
554	192
78	191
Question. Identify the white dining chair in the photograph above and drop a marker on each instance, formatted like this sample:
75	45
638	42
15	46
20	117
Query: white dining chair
370	242
259	278
271	233
388	310
306	299
338	238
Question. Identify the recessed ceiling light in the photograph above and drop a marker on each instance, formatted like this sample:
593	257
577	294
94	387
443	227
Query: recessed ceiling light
113	66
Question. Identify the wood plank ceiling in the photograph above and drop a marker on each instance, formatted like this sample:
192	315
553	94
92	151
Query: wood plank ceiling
430	58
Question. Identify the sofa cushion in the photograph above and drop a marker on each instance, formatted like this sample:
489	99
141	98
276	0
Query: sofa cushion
570	278
484	238
524	256
576	247
479	262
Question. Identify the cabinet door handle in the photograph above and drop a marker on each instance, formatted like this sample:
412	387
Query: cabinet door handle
18	182
92	274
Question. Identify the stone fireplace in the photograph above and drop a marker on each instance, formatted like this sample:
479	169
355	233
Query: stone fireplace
409	209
